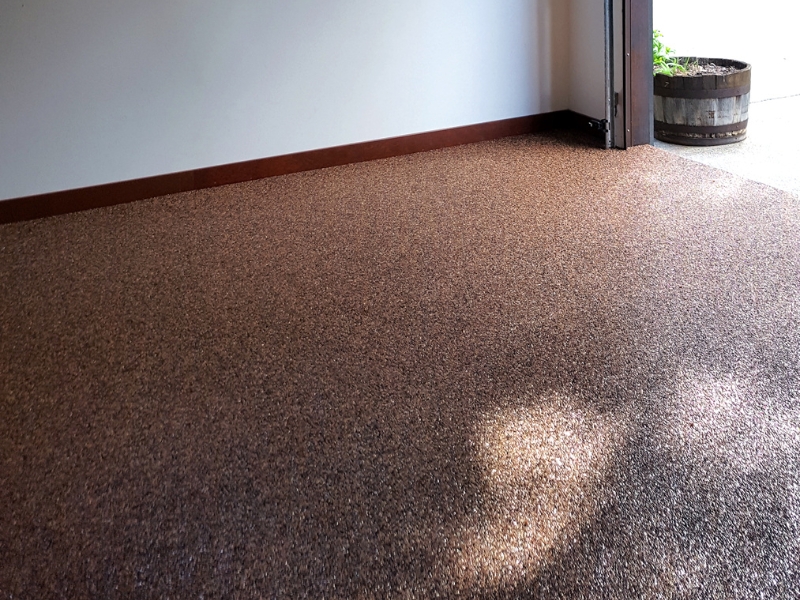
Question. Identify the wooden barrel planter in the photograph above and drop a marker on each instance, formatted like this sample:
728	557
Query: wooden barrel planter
703	110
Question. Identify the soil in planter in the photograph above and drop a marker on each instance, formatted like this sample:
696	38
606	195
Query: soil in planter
693	70
698	70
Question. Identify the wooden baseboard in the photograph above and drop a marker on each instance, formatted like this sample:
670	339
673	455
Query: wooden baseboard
68	201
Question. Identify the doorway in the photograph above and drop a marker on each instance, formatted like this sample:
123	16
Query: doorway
762	34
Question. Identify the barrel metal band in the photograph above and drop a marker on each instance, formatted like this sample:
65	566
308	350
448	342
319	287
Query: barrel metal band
699	94
660	125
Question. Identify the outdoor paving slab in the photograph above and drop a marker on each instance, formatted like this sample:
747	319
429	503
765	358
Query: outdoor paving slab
770	153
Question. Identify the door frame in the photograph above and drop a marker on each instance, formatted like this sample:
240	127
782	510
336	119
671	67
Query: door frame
637	64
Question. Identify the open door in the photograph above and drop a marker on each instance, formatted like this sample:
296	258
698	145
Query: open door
611	72
629	72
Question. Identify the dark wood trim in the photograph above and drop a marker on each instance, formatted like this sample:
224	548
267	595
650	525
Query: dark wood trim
68	201
639	30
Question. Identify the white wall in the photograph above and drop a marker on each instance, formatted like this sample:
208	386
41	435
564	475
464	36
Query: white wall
95	91
587	58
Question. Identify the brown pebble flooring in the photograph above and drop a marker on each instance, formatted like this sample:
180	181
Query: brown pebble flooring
524	368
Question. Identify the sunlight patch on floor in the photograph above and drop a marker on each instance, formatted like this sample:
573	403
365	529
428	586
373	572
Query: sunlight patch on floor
544	464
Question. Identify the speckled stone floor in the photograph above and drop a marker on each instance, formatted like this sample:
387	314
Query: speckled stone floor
516	369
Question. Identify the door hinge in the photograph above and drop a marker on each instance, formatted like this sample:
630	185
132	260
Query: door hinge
600	125
616	104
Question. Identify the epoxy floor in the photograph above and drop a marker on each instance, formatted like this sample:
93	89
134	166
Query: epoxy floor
519	369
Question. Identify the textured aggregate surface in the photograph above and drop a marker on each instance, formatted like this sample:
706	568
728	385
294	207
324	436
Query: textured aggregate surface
517	369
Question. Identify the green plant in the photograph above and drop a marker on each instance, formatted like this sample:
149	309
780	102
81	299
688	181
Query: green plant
664	61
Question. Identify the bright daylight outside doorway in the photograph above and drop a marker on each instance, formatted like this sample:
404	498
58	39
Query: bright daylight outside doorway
764	35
